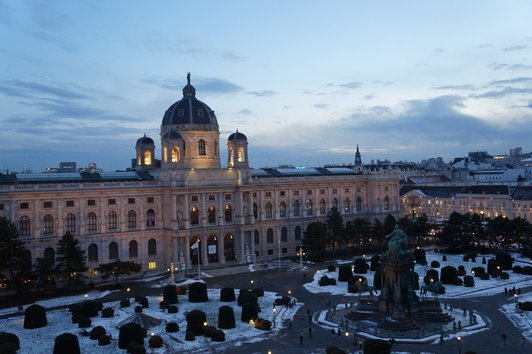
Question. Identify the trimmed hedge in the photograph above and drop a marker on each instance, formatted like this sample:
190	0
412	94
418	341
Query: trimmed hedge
282	301
325	280
6	337
526	270
125	303
361	267
131	332
331	268
484	276
164	304
504	259
84	322
97	332
104	340
435	264
246	297
449	274
344	273
66	343
334	350
525	306
227	295
517	269
226	317
355	284
171	327
258	291
249	312
108	312
155	341
469	281
477	271
35	317
492	266
172	309
431	274
195	322
374	346
420	256
181	290
505	275
197	292
262	324
170	294
375	263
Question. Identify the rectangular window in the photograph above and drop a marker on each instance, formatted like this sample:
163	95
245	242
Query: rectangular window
47	204
296	192
112	201
335	190
282	193
91	202
386	189
152	265
322	191
212	197
69	203
131	200
194	198
268	194
150	200
284	250
24	205
346	190
228	197
270	252
254	194
309	192
1	206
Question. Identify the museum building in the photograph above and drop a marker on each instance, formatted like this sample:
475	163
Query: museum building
185	206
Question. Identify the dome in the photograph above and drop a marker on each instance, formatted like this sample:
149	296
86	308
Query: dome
190	111
237	136
172	135
145	140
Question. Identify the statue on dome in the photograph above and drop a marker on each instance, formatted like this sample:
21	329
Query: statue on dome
188	78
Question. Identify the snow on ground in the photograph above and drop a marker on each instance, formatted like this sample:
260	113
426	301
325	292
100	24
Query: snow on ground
41	340
520	319
481	288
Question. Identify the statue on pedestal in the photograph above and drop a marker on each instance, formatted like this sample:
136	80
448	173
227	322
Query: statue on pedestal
397	243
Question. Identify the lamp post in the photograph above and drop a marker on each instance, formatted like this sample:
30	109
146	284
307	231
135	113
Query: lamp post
347	342
459	344
279	243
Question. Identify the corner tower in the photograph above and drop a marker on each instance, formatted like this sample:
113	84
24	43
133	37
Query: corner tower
237	150
190	131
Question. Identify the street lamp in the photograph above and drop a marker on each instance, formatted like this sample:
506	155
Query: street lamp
347	342
459	344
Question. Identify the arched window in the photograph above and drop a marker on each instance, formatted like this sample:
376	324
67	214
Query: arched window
91	221
358	203
297	233
150	218
112	220
268	210
295	207
282	209
347	205
386	203
138	158
132	219
309	207
165	154
256	237
284	234
201	147
228	213
269	236
48	224
133	249
194	216
255	211
147	158
215	149
175	155
113	250
211	215
240	154
335	203
93	253
70	223
24	226
49	257
152	247
323	207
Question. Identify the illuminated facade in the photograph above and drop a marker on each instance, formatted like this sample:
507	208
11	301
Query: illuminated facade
157	214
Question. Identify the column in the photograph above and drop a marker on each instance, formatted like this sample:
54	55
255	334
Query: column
220	250
203	245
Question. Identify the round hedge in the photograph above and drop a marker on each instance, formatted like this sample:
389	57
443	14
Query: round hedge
344	273
164	304
219	336
517	269
432	274
6	337
258	291
155	341
138	309
227	295
108	312
144	303
504	259
375	263
435	264
246	297
195	322
210	331
332	349
35	317
477	271
505	275
526	270
66	343
361	267
262	324
469	281
492	266
84	322
170	294
484	276
282	301
331	268
8	348
249	312
226	317
97	332
172	309
449	274
172	327
525	306
104	340
125	303
373	346
90	308
131	332
197	292
325	280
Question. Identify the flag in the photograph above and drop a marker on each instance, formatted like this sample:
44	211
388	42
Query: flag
195	245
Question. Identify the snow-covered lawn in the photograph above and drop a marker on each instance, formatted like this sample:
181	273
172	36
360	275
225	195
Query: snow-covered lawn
481	288
41	340
520	319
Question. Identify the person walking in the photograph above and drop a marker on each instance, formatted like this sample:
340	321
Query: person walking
310	331
300	339
441	339
503	338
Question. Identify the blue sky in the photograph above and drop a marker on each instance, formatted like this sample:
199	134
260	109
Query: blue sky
305	80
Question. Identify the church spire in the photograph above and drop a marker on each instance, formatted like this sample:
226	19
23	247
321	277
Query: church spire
358	158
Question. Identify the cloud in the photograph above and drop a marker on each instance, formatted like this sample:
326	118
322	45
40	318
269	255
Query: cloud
347	85
517	80
321	105
504	92
509	67
369	97
262	93
455	87
206	85
514	48
29	89
245	112
439	51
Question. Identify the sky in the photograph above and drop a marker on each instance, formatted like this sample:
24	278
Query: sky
305	80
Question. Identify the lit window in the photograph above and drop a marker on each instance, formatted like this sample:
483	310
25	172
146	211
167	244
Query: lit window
147	158
152	265
175	155
165	154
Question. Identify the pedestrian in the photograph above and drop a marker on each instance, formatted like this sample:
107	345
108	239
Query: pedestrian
304	276
392	342
505	291
503	338
308	312
523	341
310	331
300	339
513	290
518	291
290	324
339	332
309	320
334	308
441	339
333	332
360	343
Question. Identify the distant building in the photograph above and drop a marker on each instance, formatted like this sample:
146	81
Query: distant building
67	167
